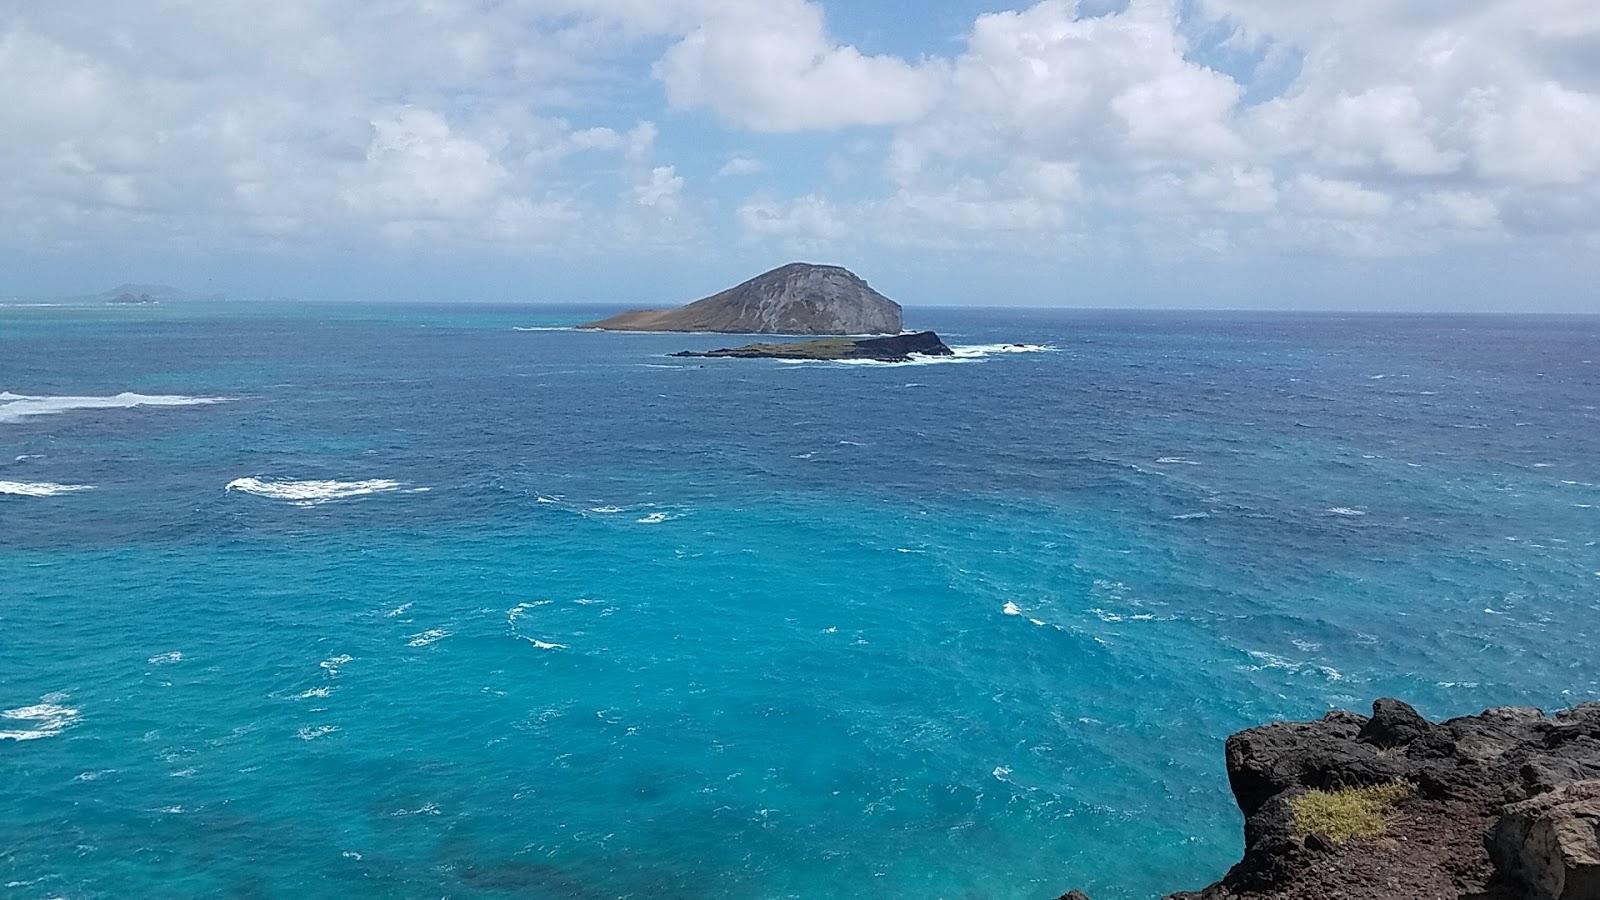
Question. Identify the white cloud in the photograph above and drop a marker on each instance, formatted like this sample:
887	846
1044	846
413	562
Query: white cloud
773	67
741	165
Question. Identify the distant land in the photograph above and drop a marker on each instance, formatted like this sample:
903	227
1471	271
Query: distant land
799	298
895	348
126	294
131	293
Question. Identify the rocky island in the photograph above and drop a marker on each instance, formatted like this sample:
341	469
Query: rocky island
799	298
898	348
1504	805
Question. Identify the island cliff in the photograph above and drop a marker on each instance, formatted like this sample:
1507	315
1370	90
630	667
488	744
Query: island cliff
1504	805
798	298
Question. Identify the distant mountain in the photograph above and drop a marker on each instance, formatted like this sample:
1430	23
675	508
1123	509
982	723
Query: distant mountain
149	293
799	298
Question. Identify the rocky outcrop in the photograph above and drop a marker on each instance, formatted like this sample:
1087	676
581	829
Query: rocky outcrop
898	348
1499	806
1550	844
798	298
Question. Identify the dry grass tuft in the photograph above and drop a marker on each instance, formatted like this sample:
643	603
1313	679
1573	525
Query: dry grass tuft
1349	813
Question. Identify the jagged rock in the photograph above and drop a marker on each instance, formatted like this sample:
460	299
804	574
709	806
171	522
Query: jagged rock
1550	844
898	348
799	298
1394	724
1465	772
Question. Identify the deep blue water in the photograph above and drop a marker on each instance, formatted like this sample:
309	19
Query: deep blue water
680	628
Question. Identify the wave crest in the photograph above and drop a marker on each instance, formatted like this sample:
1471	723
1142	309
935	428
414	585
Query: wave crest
41	488
16	407
47	718
314	492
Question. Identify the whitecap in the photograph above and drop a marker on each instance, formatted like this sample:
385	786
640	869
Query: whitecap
1176	461
1345	511
1185	517
15	407
166	659
312	732
47	718
398	610
424	638
333	663
1001	773
542	328
1011	609
655	518
41	488
515	612
544	645
605	510
314	492
316	692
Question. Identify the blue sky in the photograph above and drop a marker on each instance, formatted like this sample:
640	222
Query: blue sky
1435	154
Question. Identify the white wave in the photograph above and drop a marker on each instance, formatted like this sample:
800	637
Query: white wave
166	659
605	510
543	328
334	663
41	488
316	693
15	407
1187	517
1176	461
1011	609
1001	773
544	645
1345	511
424	638
959	353
655	518
312	493
978	351
47	718
312	732
515	612
398	610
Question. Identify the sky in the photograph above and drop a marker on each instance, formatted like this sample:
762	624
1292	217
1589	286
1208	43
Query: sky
1285	154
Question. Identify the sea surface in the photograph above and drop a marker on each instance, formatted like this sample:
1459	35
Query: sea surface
400	601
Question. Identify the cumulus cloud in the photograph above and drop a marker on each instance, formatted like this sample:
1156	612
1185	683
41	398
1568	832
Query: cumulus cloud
773	67
1222	127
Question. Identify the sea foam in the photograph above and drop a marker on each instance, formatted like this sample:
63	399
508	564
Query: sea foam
15	407
47	718
312	493
41	488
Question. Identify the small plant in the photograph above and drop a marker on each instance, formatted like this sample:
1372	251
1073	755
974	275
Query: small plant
1348	813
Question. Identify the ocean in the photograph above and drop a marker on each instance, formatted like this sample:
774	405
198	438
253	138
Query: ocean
401	601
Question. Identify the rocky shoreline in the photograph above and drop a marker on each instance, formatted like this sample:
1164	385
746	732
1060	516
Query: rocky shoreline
897	348
1503	805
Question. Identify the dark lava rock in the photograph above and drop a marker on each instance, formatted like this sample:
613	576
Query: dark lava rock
1491	775
898	348
799	298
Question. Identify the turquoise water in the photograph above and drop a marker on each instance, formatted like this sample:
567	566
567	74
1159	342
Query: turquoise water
574	619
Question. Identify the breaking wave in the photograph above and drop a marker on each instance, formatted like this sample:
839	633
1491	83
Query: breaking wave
312	493
16	407
47	718
40	488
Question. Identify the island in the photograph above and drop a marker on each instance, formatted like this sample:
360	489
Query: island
799	298
899	348
1503	805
